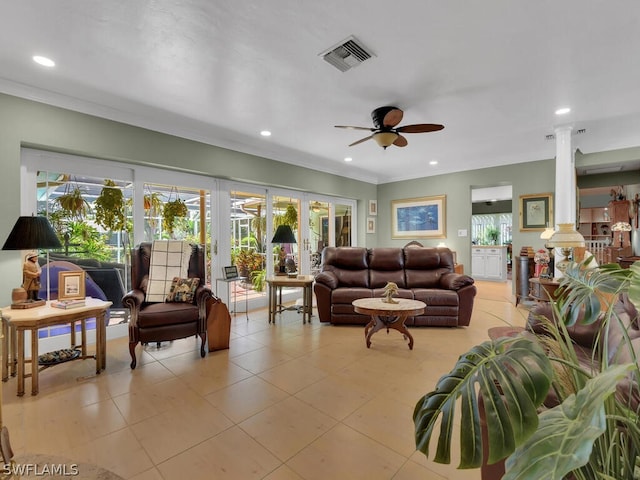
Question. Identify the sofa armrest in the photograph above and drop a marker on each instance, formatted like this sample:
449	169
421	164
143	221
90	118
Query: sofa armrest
327	278
455	281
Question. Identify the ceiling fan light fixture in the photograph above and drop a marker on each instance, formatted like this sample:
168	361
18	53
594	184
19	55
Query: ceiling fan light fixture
384	139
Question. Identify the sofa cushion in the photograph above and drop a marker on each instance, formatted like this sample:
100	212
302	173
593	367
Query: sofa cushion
378	279
424	278
348	295
386	265
436	297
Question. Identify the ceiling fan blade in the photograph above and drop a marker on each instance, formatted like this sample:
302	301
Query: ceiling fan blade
392	118
355	128
361	140
400	141
420	128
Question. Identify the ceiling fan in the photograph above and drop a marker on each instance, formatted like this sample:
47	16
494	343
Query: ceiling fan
385	132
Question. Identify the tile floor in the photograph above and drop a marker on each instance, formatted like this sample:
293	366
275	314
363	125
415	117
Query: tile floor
286	401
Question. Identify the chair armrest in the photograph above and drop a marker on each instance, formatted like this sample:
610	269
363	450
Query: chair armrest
327	278
133	299
455	281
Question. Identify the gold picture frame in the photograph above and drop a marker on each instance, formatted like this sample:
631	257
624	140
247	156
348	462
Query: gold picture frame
422	217
536	212
71	285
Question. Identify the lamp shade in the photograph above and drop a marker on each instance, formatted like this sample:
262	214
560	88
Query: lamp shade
30	233
284	234
385	139
621	227
547	234
566	237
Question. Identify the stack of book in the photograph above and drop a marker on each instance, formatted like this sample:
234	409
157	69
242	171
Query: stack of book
69	303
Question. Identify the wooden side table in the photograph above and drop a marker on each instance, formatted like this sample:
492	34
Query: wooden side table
388	315
33	319
276	283
543	290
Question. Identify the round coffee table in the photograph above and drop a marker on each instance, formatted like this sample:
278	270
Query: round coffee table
388	315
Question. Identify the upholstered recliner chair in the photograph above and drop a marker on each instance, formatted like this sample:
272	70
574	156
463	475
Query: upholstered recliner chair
162	321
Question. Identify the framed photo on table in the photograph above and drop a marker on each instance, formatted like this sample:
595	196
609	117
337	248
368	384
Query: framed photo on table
536	212
423	217
71	285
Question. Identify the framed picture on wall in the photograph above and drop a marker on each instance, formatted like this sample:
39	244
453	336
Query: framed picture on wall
373	207
371	225
536	212
423	217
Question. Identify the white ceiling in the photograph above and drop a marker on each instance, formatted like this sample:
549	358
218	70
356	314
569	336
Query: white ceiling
220	71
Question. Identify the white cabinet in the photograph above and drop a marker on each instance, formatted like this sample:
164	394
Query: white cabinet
489	263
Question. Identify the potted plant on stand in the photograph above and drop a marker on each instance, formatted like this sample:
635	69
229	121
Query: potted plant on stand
592	433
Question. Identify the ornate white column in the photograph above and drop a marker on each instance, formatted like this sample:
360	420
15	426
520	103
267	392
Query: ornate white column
565	195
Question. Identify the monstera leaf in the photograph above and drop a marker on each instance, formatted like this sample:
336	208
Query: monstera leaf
513	376
564	439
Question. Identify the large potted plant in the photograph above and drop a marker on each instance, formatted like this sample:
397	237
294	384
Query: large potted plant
593	433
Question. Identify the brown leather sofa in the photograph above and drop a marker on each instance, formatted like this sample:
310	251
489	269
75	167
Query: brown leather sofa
421	273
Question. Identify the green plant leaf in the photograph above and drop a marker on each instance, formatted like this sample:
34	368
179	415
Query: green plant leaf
513	376
565	436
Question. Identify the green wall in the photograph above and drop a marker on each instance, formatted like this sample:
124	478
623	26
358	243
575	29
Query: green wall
525	178
32	124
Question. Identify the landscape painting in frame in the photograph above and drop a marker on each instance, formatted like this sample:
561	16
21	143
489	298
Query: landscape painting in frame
422	217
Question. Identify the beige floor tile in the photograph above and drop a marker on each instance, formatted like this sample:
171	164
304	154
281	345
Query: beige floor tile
386	421
179	428
246	398
283	473
258	361
287	427
335	396
284	402
293	376
344	453
230	455
151	474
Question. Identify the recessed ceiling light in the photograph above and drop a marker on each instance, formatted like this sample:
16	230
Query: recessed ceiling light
265	133
563	111
433	162
44	61
348	159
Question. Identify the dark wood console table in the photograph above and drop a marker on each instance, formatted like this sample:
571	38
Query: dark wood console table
543	290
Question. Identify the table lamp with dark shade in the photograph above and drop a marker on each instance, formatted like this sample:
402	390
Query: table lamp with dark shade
30	233
283	235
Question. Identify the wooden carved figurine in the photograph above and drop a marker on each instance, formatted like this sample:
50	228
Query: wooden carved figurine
31	276
390	290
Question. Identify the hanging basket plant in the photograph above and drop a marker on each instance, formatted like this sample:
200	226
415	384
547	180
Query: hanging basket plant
289	217
72	202
171	211
110	207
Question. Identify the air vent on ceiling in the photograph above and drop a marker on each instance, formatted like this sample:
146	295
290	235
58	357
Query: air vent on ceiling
347	54
580	131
